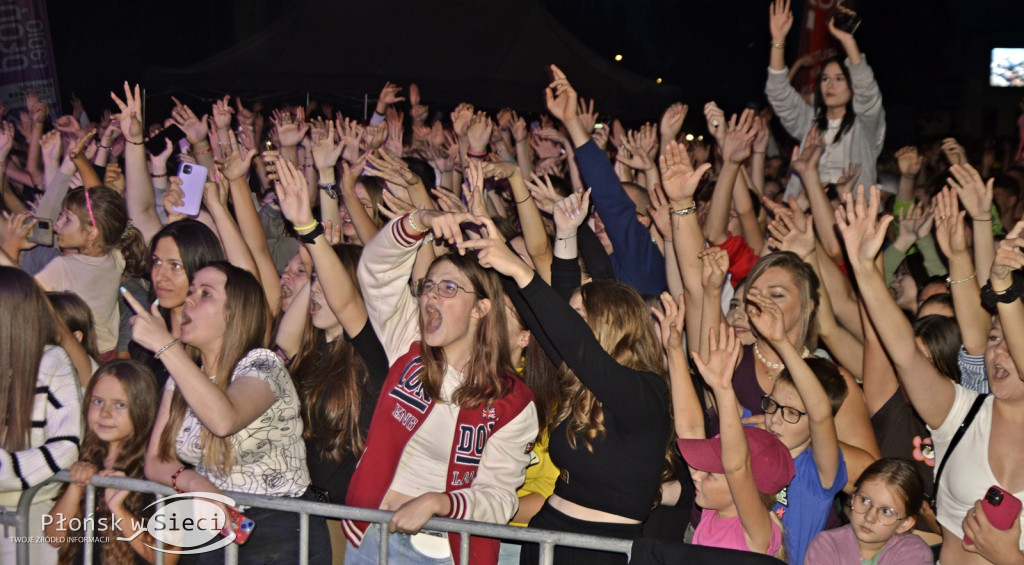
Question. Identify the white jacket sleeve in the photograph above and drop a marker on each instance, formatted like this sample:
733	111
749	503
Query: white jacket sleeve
867	102
493	498
57	413
795	114
384	269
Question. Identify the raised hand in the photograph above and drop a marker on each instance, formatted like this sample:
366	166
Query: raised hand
671	318
418	112
678	177
740	137
714	267
174	198
974	193
761	135
848	179
843	36
374	136
292	194
716	121
130	118
51	144
561	97
718	367
447	200
954	151
475	188
80	145
222	112
909	161
326	151
17	228
672	121
393	206
393	170
570	212
246	117
216	191
587	115
780	20
236	164
543	193
950	229
492	253
195	128
791	230
766	317
479	132
461	116
388	96
113	177
658	209
1009	257
290	132
863	233
805	161
633	154
68	124
148	327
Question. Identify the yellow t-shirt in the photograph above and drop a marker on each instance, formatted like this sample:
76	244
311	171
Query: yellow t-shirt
540	475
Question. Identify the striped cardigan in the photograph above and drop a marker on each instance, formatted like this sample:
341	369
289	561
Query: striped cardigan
56	430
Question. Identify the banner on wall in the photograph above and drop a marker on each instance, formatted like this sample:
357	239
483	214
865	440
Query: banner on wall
26	55
815	42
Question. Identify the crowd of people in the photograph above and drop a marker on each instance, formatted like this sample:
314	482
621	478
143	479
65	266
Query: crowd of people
548	320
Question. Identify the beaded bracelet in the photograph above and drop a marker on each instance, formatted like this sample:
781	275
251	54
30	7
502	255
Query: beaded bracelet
165	348
683	212
174	480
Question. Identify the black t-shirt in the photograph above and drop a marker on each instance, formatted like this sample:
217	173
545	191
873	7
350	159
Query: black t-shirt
334	476
903	434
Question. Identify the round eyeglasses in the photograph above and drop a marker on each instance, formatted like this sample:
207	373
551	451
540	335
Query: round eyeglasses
886	516
445	288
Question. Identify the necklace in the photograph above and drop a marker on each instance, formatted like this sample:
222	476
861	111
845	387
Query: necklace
775	366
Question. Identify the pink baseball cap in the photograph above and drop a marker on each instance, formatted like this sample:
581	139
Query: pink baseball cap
770	461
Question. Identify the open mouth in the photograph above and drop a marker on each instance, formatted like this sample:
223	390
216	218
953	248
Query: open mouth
286	291
185	319
314	307
431	319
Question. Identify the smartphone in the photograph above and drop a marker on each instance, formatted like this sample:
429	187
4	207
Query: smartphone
193	179
156	144
239	524
42	232
1001	508
845	20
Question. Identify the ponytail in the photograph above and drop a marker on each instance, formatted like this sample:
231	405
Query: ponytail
134	250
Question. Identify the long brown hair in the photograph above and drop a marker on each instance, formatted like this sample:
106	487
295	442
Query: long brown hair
622	324
139	385
77	316
248	321
27	326
489	362
332	385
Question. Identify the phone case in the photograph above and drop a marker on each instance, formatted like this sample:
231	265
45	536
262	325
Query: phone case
1001	508
193	178
42	232
239	524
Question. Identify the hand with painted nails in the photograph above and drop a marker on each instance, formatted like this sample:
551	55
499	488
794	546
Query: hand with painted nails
570	212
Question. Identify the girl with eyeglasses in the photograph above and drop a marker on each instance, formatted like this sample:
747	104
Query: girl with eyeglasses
888	496
453	427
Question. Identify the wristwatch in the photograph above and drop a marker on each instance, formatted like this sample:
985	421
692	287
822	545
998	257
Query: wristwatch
328	187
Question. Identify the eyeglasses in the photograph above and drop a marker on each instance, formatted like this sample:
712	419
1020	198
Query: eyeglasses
886	516
789	414
445	288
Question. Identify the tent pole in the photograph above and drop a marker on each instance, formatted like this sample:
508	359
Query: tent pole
366	106
307	99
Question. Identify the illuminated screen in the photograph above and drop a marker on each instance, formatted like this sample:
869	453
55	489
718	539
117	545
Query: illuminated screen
1007	68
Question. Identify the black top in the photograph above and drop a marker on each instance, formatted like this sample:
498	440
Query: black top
623	475
334	476
902	434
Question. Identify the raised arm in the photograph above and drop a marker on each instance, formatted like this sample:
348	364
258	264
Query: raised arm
687	414
1009	259
717	370
795	114
215	197
805	163
234	168
766	316
538	245
976	196
138	185
342	294
930	393
738	139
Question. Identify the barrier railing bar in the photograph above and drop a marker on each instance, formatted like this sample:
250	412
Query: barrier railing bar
464	550
231	554
20	521
547	553
303	539
547	539
159	543
90	503
384	533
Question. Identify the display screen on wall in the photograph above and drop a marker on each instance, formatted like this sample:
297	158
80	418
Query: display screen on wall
1007	67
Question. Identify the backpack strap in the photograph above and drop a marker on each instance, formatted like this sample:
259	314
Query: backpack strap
956	439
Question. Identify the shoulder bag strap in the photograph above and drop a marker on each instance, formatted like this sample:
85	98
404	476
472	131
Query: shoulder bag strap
957	437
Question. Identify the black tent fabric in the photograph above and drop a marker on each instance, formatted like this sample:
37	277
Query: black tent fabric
487	53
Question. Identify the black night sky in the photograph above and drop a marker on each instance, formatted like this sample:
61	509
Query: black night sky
931	57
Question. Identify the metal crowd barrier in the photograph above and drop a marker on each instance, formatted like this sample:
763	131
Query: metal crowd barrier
546	538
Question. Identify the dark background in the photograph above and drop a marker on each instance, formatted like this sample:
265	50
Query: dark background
931	57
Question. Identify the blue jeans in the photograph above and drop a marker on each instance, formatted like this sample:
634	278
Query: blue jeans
400	550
